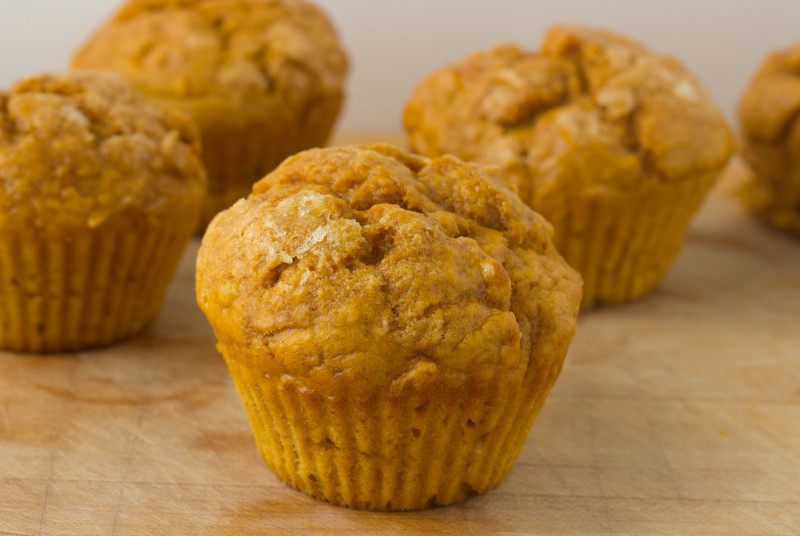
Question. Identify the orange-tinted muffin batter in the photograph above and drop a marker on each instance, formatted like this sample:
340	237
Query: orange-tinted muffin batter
262	79
99	193
769	113
393	324
615	145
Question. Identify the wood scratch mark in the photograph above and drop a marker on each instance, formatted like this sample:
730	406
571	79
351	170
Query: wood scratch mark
44	505
603	498
135	436
4	420
116	396
651	423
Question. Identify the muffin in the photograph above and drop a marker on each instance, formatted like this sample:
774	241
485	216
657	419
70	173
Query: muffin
99	193
768	113
615	145
393	324
262	79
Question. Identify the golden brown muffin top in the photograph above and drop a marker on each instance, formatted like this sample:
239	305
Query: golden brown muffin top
236	49
590	109
79	149
364	268
770	106
769	112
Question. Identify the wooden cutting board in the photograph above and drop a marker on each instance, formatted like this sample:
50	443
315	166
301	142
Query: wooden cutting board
679	414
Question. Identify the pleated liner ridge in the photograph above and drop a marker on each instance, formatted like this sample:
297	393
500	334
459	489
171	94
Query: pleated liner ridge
393	452
623	243
236	160
90	289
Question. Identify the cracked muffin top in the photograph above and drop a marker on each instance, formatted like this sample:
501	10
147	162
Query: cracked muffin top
231	49
84	148
590	109
362	268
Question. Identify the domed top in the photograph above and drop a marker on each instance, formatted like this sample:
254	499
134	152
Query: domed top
364	268
771	102
232	49
769	112
591	109
82	148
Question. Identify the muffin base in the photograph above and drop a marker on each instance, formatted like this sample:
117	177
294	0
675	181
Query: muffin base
624	242
86	289
760	196
425	446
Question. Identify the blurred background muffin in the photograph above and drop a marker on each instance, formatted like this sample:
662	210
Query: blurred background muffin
100	191
393	324
262	79
768	113
616	146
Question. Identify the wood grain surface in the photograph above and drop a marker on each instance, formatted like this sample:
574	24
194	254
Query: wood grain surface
679	414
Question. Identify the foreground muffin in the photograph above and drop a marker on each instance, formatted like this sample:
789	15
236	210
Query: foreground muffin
615	145
393	324
99	193
263	79
768	113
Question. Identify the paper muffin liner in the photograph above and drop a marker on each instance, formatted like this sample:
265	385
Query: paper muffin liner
784	218
396	451
84	289
623	243
237	158
773	204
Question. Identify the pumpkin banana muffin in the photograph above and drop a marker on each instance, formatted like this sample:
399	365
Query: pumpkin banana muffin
393	324
263	79
768	113
615	145
99	193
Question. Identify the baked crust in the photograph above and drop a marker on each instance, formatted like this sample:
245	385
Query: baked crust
100	191
358	270
591	110
262	79
85	149
393	324
230	49
768	112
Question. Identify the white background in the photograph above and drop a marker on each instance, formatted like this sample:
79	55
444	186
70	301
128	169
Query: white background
394	43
